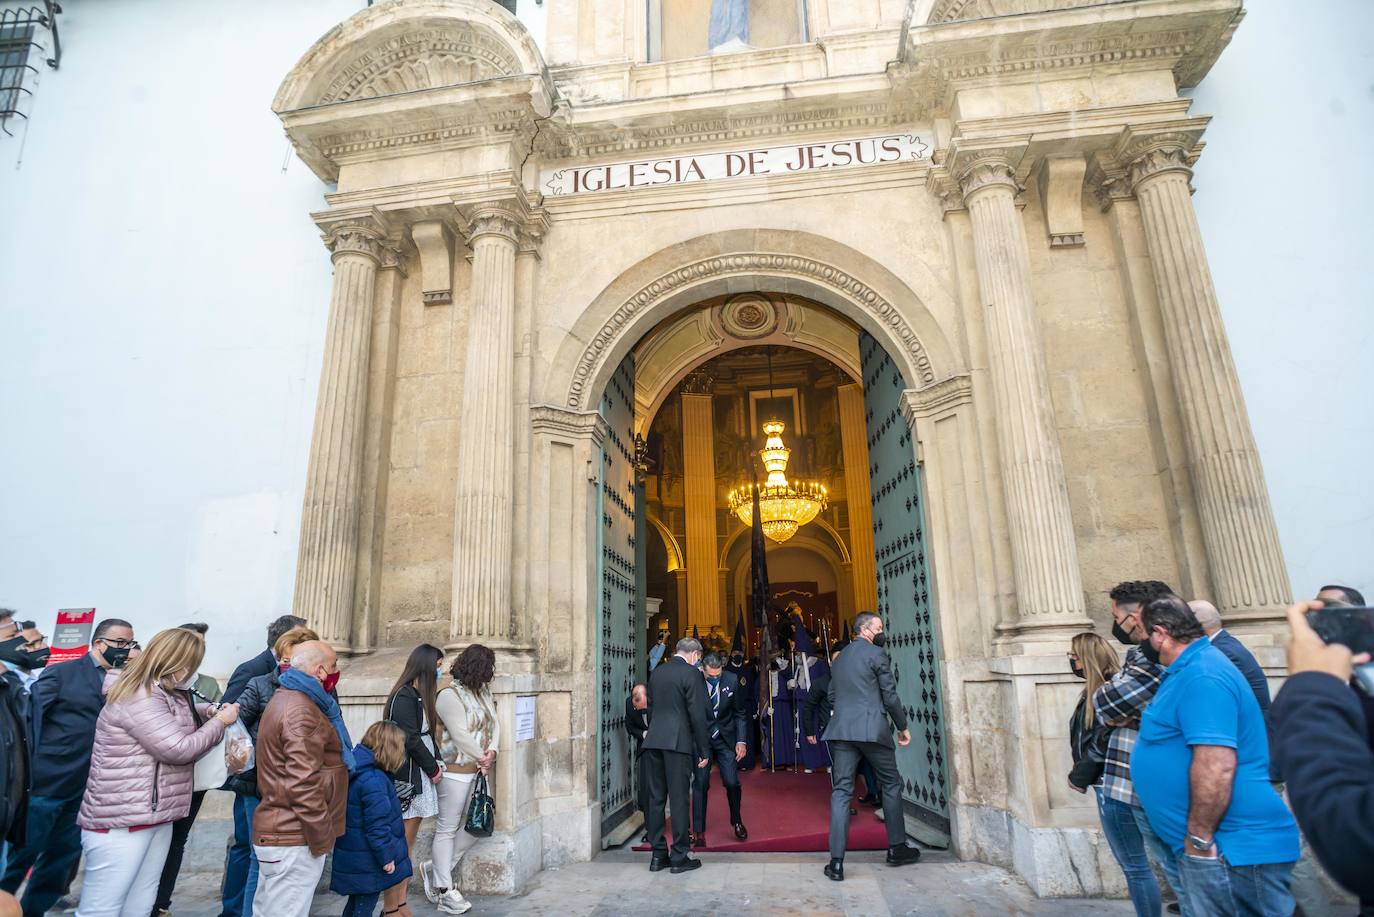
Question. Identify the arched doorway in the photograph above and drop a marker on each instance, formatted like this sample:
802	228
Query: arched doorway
645	472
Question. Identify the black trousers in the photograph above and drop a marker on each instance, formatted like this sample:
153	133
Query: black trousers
844	761
181	830
669	776
642	787
723	756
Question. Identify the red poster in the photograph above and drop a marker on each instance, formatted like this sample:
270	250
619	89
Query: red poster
71	638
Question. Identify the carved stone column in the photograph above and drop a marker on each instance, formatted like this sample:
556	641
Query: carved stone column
1238	527
699	497
1044	554
327	567
484	509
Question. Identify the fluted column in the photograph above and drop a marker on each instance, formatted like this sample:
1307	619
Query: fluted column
699	497
1237	521
484	509
1044	554
854	445
326	570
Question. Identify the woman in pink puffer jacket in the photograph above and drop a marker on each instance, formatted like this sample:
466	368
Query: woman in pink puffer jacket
146	744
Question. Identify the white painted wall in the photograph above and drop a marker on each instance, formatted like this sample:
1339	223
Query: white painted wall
163	297
1285	200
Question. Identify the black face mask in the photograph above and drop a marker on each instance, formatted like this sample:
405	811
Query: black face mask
1076	669
13	651
1121	635
737	659
880	640
115	656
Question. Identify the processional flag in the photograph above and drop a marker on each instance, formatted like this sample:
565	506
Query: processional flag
738	643
762	602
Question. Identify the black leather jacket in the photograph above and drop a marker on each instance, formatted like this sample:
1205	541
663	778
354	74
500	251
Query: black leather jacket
252	702
1089	748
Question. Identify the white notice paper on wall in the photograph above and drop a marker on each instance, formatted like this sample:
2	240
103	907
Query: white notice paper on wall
524	717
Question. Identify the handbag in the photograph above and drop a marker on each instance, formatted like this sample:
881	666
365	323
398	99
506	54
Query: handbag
481	810
405	790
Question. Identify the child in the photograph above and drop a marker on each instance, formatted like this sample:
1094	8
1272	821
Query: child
372	856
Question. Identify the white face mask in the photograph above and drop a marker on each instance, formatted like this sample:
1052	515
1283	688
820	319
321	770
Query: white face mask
188	683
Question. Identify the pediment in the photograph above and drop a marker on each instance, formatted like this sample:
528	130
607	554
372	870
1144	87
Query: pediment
422	58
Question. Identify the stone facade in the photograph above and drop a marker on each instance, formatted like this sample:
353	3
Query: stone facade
1038	276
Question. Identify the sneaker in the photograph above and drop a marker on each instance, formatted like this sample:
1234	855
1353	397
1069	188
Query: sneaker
453	902
427	876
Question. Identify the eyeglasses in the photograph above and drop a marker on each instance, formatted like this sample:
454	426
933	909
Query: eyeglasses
121	644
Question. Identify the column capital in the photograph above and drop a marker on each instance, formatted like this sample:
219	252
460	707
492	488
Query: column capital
966	167
563	423
355	239
510	218
943	397
1159	160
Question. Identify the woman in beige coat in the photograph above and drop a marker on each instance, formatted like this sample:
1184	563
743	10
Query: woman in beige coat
470	737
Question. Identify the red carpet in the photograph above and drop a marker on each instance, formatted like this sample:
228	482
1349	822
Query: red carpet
785	813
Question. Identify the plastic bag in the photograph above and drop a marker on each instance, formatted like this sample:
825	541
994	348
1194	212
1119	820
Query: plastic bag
233	754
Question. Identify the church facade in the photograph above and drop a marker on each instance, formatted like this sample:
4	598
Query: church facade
972	217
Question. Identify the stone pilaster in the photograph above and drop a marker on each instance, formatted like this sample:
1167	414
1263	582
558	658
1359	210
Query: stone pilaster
484	509
854	443
1044	554
1248	573
699	496
327	567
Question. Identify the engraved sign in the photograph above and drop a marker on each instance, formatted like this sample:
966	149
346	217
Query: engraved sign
705	167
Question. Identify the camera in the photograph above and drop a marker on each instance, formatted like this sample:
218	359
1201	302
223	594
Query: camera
1352	627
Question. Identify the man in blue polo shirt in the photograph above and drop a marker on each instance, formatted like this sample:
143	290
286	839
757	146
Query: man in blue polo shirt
1201	769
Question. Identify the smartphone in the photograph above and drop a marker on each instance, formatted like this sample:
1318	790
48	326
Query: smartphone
1349	626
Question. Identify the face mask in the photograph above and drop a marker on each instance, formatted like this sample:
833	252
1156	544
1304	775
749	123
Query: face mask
1076	669
282	667
880	639
737	659
187	684
12	651
1121	635
115	656
439	671
331	681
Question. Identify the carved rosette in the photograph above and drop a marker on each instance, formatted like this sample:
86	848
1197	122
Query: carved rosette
353	239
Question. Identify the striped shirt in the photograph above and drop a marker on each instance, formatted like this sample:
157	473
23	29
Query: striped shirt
1120	702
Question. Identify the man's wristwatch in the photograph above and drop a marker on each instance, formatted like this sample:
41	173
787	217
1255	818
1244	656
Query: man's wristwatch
1202	843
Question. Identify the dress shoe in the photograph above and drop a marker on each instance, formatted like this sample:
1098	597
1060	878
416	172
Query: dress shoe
698	839
902	855
686	865
691	838
741	832
834	870
657	863
869	800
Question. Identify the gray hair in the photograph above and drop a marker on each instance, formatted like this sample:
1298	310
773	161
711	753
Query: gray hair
1174	615
688	645
310	654
863	619
1206	614
713	661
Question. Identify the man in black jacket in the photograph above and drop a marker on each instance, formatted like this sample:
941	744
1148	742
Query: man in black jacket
677	738
863	694
240	853
64	704
1323	752
726	723
637	725
14	762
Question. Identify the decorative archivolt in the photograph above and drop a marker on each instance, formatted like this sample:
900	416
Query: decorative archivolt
425	59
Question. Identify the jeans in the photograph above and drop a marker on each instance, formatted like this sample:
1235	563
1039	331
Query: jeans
1215	888
236	860
450	840
1123	836
250	884
52	846
1164	855
289	876
362	905
122	871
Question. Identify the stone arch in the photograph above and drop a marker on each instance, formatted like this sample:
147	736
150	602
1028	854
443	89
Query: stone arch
771	261
408	45
676	557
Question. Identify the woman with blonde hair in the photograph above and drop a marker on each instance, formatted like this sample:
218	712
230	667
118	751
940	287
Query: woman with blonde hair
1094	660
252	702
146	745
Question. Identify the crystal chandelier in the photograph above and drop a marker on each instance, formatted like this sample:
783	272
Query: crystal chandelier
783	507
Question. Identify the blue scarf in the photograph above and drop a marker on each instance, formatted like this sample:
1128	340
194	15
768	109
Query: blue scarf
296	680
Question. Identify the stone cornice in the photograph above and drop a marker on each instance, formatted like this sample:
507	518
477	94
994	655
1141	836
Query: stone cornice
936	399
552	420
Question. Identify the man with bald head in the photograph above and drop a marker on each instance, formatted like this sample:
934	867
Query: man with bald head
304	755
1210	619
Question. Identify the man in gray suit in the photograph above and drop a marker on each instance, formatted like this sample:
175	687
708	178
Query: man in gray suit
861	689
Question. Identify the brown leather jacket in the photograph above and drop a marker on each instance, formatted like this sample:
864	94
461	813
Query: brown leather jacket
301	777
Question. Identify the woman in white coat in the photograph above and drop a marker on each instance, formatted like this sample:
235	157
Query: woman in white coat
470	737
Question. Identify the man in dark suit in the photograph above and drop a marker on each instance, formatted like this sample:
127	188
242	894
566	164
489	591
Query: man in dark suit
64	704
240	853
677	738
637	725
861	689
1210	619
726	723
816	716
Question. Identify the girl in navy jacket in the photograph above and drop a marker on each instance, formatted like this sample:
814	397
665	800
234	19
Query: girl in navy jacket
372	856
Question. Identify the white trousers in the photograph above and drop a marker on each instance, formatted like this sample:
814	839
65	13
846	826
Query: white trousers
287	877
123	868
450	840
